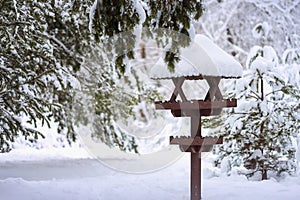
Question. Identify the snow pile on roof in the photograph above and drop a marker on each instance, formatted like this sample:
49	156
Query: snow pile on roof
202	57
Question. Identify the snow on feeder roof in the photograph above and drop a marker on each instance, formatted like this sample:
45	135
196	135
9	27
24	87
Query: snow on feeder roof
201	58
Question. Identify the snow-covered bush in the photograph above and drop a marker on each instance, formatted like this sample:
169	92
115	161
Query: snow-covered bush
259	133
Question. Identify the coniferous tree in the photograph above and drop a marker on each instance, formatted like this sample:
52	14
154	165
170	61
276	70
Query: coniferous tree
259	132
249	23
35	71
47	47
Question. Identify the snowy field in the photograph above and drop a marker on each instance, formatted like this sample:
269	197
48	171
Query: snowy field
70	173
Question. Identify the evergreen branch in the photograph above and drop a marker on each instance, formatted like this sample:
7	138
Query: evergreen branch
15	23
68	51
33	80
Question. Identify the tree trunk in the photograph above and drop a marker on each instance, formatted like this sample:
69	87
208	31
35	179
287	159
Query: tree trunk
264	175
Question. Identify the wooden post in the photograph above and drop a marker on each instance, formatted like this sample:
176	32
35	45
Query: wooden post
195	176
195	159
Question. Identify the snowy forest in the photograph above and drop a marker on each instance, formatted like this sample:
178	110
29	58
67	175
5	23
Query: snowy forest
75	89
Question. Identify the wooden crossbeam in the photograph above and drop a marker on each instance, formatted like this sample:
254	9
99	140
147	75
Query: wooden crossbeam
196	141
213	93
214	90
195	149
195	105
190	113
196	144
178	90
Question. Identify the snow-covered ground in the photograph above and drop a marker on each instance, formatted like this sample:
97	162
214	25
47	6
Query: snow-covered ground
71	173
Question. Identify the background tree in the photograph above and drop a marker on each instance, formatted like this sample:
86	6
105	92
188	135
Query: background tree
273	35
36	70
239	25
259	132
51	49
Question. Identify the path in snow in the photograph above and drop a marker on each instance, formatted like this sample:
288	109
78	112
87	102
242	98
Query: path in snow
84	178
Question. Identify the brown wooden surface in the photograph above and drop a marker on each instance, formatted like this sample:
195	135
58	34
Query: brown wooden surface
214	92
200	77
195	104
197	141
195	176
195	149
178	90
203	112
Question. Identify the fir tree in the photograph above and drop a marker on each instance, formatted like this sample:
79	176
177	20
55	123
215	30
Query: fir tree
259	132
46	47
34	71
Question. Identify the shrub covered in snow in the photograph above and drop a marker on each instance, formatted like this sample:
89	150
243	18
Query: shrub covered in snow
260	132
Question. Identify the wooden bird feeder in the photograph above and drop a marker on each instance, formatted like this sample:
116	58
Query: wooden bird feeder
201	60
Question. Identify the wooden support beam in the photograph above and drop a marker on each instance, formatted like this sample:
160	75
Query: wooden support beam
195	105
195	176
196	159
195	149
178	90
214	90
203	112
197	144
196	141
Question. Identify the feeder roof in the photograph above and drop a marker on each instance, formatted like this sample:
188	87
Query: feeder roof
201	58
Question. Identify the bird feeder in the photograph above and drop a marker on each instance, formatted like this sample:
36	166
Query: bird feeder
202	60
